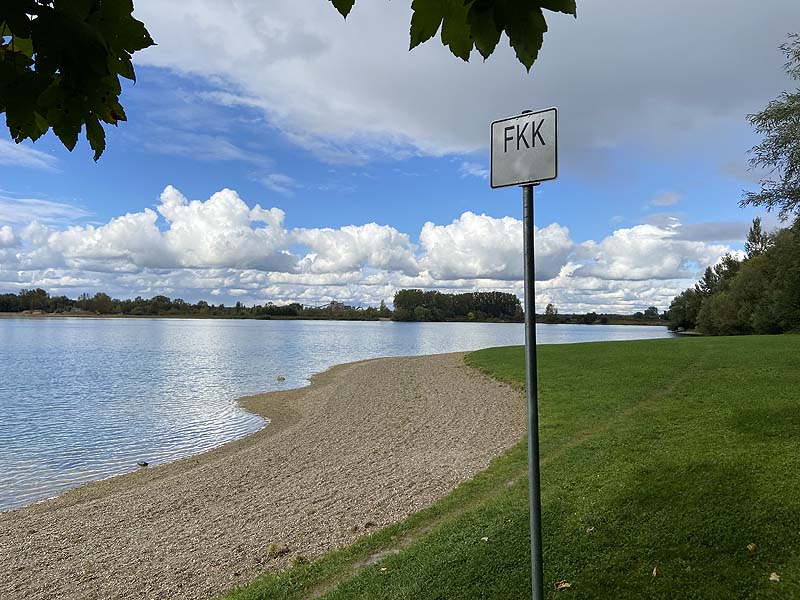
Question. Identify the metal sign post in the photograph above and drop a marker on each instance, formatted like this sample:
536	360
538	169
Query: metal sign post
532	395
525	152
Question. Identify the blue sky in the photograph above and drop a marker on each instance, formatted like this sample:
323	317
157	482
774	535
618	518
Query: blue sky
338	126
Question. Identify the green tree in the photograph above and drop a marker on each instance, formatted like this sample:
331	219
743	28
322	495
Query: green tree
749	291
784	294
719	315
651	312
422	313
102	303
779	152
478	24
60	64
550	313
758	241
33	299
718	277
708	282
684	309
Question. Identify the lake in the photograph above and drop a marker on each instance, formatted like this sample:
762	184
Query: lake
83	399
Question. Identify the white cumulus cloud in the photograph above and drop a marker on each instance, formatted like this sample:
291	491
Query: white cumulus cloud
226	249
352	248
645	252
221	232
480	246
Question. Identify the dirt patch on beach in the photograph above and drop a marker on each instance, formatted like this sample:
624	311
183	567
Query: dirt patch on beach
364	446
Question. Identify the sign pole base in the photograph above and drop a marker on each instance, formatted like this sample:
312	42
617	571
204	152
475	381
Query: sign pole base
531	387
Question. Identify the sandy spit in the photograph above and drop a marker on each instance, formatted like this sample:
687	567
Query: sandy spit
364	446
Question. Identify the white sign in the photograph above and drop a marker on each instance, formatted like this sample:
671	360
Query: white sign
525	148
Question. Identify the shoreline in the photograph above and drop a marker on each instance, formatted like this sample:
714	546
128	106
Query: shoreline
269	405
7	315
331	465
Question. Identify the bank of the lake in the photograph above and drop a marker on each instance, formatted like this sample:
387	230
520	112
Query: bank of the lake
363	447
669	470
85	398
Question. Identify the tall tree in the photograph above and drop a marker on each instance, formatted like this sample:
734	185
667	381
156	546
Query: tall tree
550	313
758	241
779	152
684	309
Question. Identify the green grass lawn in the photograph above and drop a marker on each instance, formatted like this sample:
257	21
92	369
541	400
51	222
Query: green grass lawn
670	454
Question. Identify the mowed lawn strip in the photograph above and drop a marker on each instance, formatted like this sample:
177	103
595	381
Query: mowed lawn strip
662	461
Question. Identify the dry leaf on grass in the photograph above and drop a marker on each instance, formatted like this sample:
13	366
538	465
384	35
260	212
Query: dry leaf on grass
484	539
774	577
751	548
656	572
562	585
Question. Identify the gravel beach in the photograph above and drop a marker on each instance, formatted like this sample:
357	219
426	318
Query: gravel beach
362	447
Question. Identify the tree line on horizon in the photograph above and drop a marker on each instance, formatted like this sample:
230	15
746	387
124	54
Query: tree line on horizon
649	316
39	300
420	305
409	305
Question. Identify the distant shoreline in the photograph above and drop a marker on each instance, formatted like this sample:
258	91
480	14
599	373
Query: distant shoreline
23	315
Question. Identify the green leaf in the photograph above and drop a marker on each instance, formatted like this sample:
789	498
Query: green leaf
485	32
564	6
22	45
41	123
123	66
426	18
96	136
525	27
343	6
456	31
67	133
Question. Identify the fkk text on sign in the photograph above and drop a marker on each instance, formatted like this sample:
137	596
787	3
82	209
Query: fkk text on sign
525	148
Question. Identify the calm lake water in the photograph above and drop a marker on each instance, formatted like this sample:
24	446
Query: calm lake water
83	399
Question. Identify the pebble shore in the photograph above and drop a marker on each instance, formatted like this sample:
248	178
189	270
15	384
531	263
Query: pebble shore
362	447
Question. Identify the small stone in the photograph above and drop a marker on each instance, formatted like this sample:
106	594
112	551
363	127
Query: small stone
280	378
276	550
369	524
142	463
